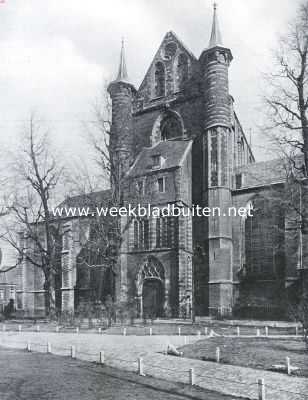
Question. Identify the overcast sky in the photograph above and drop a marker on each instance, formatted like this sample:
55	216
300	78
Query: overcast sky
55	54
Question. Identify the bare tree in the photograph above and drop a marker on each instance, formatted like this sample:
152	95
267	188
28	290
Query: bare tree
32	230
287	100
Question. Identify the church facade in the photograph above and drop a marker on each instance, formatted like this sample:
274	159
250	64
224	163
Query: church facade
177	140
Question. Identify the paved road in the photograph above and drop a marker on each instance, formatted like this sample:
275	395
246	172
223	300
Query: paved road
34	376
123	351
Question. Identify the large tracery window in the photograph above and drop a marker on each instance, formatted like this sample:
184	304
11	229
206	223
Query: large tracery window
170	127
160	77
182	70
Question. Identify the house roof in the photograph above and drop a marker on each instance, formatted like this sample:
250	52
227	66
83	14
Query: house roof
173	153
267	172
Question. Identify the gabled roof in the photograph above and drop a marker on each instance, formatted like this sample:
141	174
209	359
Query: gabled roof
173	153
169	36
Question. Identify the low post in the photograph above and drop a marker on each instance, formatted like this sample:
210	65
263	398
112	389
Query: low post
73	352
101	357
185	340
199	334
266	331
258	332
191	376
296	330
140	367
57	329
37	328
19	328
217	354
261	389
179	331
151	331
238	331
3	328
206	331
99	330
288	366
48	347
28	346
124	331
77	329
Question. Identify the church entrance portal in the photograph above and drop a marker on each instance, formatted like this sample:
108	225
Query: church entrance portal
152	298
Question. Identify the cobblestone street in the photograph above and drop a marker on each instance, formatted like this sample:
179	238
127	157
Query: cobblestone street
123	351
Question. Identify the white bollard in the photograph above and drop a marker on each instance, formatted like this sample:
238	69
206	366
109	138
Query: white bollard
3	328
206	331
191	376
57	329
99	330
261	389
77	330
238	332
140	367
258	332
185	340
266	331
19	328
29	346
37	328
199	334
73	352
48	347
179	331
288	366
296	330
151	331
217	354
101	357
124	331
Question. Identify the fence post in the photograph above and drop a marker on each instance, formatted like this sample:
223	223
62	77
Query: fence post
179	331
73	352
217	354
185	340
266	331
48	347
206	331
199	334
296	330
29	346
151	331
77	329
140	367
37	328
57	329
99	330
261	389
124	331
101	357
258	332
191	377
4	328
19	328
288	366
238	332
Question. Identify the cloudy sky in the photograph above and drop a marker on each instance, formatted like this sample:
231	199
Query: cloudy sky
56	54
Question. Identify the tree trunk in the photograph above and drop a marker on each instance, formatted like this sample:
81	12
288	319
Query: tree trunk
50	298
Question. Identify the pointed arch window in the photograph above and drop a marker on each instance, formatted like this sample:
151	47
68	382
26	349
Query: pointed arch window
171	127
182	70
160	78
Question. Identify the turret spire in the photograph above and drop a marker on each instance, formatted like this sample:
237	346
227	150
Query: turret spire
122	73
216	38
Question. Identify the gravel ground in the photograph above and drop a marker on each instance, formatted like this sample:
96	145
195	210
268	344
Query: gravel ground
33	376
258	353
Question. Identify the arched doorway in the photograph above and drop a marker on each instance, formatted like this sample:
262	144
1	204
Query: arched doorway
152	298
150	282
